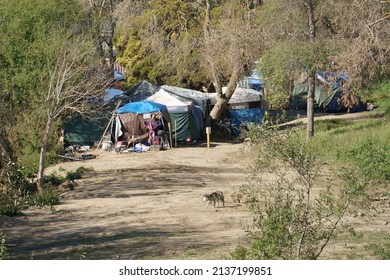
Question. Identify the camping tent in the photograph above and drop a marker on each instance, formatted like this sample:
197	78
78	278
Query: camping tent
327	100
130	120
81	130
245	106
141	91
187	118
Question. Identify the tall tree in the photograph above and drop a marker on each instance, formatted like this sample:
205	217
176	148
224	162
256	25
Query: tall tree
197	44
297	26
232	43
73	83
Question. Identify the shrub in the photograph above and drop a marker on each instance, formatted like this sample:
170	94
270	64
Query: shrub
71	176
46	198
294	216
10	205
3	248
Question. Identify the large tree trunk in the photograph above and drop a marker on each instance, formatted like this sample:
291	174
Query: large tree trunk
42	157
312	75
310	105
223	98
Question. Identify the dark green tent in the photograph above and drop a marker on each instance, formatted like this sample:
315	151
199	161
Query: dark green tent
80	130
322	97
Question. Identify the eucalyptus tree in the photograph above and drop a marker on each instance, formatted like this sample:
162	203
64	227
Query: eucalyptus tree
197	44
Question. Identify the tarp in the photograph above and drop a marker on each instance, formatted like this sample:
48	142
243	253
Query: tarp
335	101
240	96
142	107
299	97
184	126
118	76
141	91
84	131
130	122
111	94
245	116
189	96
174	105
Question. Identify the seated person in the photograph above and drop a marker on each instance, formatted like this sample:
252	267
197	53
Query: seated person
157	129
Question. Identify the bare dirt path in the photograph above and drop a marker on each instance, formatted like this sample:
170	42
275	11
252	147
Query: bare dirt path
139	206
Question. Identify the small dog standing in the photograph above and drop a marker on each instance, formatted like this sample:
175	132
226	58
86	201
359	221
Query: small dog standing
215	198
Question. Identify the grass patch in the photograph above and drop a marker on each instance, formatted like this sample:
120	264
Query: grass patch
48	197
365	145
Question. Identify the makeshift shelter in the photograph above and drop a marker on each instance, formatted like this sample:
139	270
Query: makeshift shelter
112	94
327	100
82	130
141	91
245	106
130	123
186	116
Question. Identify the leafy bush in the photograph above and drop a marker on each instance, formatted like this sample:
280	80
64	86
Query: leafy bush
46	198
71	176
10	205
295	216
3	248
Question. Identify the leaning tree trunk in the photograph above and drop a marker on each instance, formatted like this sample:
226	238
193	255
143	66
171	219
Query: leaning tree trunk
45	142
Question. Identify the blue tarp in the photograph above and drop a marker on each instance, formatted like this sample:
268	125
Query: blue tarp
141	107
111	94
245	116
118	76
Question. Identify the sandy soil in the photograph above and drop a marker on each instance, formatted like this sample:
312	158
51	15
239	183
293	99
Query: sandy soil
149	206
139	206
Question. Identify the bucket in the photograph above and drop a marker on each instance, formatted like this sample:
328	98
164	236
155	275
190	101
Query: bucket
106	145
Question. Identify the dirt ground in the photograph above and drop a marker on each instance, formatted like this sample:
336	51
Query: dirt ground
149	206
139	206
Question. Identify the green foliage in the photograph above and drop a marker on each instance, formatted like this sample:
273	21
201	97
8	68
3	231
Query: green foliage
47	197
286	61
10	204
380	249
292	218
31	34
362	145
379	95
3	248
71	176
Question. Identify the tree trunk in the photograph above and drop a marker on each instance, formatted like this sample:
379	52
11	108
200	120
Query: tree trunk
223	98
312	75
43	154
310	105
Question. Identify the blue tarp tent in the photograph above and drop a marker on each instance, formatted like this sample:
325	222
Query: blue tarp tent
130	123
246	116
142	107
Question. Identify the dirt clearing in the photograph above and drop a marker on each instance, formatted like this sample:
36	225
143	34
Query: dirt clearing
139	206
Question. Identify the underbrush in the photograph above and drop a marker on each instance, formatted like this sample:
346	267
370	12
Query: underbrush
296	215
379	95
3	248
18	192
364	146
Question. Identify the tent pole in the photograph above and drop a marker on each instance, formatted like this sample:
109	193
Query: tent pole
170	133
108	125
175	135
